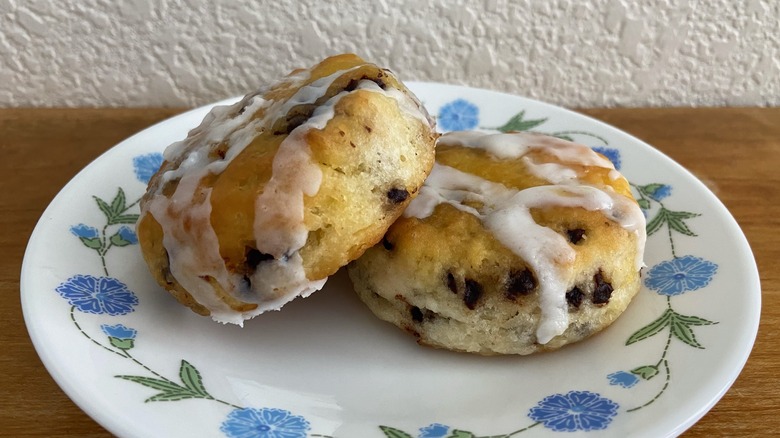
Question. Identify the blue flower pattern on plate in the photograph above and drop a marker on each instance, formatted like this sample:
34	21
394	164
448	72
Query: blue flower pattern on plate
623	378
687	273
118	331
611	153
576	410
98	295
661	192
434	430
264	423
458	115
128	235
84	231
146	165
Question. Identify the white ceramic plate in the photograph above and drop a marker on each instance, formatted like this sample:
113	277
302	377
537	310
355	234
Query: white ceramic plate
142	365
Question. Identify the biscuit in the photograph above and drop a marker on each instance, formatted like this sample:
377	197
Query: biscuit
269	196
517	243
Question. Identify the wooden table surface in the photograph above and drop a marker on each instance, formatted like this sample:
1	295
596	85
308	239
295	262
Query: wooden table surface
736	151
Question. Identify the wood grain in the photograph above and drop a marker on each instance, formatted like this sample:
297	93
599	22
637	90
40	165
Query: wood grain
735	151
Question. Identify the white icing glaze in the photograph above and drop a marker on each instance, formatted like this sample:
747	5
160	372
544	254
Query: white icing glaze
279	211
518	144
506	212
191	242
553	172
188	237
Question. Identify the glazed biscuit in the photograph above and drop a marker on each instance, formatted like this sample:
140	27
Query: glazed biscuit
269	196
517	243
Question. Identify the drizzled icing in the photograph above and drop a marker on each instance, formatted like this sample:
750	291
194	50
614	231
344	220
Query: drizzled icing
279	211
190	240
188	237
506	212
516	145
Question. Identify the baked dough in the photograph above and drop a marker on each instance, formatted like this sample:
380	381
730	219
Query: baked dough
269	196
517	243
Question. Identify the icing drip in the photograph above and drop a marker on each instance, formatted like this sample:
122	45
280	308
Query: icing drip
506	212
279	210
191	242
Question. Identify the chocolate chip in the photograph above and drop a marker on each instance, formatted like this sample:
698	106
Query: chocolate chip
472	294
417	315
368	128
386	243
352	144
296	120
397	196
574	297
255	257
351	85
451	284
520	283
575	235
602	291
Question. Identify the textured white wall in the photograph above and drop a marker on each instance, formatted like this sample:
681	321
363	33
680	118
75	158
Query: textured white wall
572	53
